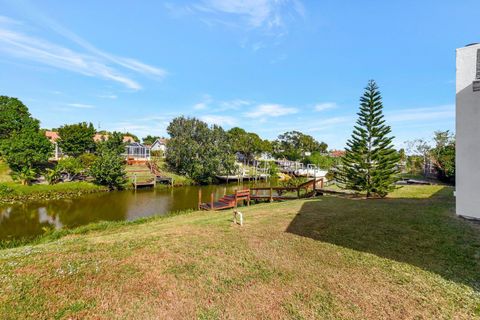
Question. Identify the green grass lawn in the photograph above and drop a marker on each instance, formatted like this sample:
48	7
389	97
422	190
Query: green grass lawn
178	180
4	172
404	257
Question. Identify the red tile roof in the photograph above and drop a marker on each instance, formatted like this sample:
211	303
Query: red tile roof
52	135
337	153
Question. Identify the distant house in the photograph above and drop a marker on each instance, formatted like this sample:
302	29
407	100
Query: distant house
128	139
53	136
265	156
136	152
98	137
159	145
337	153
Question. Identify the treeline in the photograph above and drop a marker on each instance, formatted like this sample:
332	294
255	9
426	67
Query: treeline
203	152
432	158
26	149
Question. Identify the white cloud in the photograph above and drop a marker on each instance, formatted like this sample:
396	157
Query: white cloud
141	130
108	96
325	106
200	106
218	120
93	62
233	104
422	114
270	110
255	13
328	123
81	105
204	104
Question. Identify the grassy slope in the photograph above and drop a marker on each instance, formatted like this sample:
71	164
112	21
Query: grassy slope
4	172
178	180
405	257
143	173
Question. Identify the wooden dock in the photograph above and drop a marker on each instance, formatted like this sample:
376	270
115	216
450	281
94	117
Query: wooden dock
271	194
159	176
143	183
226	202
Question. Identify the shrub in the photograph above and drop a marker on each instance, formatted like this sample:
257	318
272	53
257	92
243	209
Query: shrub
5	190
109	170
86	160
72	167
25	175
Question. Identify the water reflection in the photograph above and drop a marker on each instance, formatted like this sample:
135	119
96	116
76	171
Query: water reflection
34	218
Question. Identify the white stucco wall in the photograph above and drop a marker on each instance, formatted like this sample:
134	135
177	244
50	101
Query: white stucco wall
467	135
158	146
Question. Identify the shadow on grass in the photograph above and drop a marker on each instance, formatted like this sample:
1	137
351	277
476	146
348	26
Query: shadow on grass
421	232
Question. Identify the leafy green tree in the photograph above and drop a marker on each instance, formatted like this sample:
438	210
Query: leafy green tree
419	151
25	175
109	169
370	162
27	149
150	139
249	144
323	161
114	143
76	139
15	117
70	166
135	138
198	151
52	175
443	155
87	159
293	145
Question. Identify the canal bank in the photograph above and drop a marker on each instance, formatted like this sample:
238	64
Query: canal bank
31	219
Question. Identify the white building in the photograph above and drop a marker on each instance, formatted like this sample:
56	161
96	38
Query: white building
136	152
468	132
159	145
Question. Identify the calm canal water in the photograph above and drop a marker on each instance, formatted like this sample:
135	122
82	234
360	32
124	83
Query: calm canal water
35	218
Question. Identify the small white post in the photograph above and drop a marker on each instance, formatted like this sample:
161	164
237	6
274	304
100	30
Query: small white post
240	215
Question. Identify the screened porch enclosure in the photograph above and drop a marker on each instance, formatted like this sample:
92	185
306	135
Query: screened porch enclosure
137	151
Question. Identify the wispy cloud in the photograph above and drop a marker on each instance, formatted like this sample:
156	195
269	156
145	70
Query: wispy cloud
270	110
422	114
258	20
218	120
108	96
325	106
204	104
81	105
93	62
233	104
254	13
200	106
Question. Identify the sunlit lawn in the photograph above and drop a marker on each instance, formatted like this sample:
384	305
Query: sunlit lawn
4	172
405	257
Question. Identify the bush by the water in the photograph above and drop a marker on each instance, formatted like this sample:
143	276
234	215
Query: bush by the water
109	170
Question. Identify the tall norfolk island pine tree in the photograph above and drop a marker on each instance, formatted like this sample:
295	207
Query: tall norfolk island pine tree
370	161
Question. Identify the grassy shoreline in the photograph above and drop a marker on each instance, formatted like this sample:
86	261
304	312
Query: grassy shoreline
14	193
329	257
85	229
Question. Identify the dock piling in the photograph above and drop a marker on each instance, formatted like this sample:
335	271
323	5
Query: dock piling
199	198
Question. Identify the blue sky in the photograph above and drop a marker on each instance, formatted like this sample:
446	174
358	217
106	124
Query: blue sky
267	66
